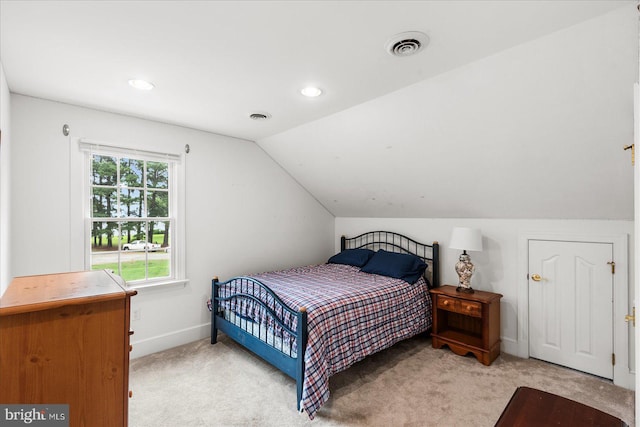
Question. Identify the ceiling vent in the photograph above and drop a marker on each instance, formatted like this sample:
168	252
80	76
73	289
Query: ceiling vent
407	44
259	116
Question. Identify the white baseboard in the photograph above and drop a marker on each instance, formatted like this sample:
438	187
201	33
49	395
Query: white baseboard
169	340
511	346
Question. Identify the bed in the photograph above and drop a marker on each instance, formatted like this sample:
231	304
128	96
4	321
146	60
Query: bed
314	321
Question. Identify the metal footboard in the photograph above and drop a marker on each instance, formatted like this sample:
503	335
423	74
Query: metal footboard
263	318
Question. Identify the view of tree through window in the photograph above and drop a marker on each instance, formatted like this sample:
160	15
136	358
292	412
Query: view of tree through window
131	222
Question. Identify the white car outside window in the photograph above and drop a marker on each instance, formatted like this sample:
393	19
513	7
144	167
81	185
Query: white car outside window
140	245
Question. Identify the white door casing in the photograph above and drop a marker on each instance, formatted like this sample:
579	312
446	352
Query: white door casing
571	304
636	192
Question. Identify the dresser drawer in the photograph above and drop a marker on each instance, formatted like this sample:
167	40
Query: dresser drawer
469	308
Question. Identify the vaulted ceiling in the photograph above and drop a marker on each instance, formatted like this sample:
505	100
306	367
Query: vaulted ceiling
514	109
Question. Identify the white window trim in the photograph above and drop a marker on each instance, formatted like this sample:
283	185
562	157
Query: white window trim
80	208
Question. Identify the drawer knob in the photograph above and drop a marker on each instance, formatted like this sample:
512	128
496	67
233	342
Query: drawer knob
446	302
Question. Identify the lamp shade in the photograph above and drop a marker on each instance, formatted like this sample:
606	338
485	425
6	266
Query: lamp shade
467	239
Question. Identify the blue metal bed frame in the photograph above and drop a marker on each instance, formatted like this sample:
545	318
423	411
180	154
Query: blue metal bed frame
244	288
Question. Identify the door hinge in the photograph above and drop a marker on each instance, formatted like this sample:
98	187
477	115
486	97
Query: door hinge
631	317
613	266
633	152
613	359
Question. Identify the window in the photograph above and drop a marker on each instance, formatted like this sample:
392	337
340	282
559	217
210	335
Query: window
133	216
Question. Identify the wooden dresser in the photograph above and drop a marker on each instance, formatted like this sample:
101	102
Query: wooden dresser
64	339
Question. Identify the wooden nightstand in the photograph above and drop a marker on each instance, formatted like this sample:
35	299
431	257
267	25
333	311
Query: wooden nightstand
467	323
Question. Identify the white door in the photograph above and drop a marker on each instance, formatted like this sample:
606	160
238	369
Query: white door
571	304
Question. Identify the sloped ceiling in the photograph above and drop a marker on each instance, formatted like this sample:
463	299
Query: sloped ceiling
516	109
535	131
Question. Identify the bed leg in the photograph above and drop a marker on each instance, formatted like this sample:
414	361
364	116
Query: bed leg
214	309
214	334
301	339
299	382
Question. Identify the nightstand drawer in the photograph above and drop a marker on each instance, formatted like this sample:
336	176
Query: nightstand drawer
469	308
447	303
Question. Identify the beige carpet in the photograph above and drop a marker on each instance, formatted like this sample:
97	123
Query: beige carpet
410	384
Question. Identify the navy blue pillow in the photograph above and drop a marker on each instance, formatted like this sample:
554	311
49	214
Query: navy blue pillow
401	266
355	257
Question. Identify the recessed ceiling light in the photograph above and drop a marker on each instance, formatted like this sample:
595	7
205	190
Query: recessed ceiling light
141	84
311	91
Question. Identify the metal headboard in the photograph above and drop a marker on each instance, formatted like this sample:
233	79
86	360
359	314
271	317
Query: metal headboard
398	243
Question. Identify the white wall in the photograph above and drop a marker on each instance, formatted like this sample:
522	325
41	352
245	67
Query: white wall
244	213
498	266
5	173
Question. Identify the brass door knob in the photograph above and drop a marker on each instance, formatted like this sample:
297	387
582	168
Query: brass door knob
536	277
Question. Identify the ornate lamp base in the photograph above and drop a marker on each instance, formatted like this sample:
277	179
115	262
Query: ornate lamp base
465	269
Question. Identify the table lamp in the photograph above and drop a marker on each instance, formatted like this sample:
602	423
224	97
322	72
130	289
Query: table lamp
467	239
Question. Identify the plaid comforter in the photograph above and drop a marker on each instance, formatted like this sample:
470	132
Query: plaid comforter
351	315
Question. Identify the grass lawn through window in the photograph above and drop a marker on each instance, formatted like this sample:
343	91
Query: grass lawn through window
134	270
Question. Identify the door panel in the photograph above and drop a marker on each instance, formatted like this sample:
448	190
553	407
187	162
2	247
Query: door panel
585	272
550	307
571	305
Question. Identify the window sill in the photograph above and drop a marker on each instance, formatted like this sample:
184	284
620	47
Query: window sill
160	284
